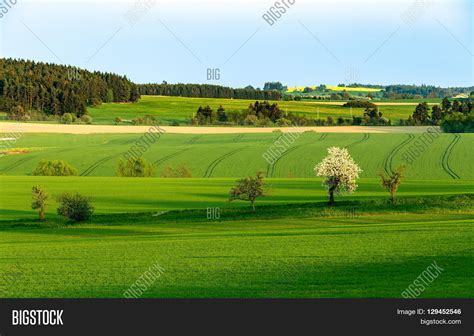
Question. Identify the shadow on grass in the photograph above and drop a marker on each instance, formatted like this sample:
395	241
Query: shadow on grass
343	210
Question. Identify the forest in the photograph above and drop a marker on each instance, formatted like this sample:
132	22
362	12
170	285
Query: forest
207	91
58	89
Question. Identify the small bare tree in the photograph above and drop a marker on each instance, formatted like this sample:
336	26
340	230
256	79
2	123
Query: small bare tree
39	201
248	189
392	181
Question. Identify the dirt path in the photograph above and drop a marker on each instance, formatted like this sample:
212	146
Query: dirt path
10	127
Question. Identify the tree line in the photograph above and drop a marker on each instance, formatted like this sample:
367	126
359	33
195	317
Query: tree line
422	91
58	89
453	116
266	114
207	91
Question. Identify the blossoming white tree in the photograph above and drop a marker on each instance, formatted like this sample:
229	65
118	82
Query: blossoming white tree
340	171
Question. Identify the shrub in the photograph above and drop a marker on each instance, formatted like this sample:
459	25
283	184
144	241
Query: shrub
54	168
251	120
359	103
180	171
330	121
68	118
135	167
75	207
96	102
18	113
146	120
118	120
283	122
458	123
86	119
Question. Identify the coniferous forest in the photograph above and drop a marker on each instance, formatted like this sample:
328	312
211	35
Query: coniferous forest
57	89
208	91
54	90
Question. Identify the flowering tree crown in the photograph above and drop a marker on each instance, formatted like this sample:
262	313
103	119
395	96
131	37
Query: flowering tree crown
340	170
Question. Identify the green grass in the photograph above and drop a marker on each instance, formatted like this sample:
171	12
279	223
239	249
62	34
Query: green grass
284	251
237	155
337	88
181	109
119	195
293	246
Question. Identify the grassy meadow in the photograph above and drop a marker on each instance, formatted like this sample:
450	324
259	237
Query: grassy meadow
337	88
294	245
181	109
236	155
298	253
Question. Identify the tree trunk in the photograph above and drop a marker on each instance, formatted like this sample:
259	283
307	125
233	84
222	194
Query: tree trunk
41	215
331	197
253	205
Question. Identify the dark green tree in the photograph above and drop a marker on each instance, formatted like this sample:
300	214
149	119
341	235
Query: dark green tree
421	114
436	114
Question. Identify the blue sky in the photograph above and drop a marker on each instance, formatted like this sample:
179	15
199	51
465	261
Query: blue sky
314	42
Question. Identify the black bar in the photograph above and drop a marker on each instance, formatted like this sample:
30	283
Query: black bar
243	317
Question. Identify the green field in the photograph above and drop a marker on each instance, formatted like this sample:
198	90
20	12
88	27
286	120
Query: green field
119	195
181	109
294	245
237	155
362	248
337	89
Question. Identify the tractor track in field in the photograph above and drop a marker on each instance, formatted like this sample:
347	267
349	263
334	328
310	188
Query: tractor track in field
364	139
96	164
238	137
271	167
213	165
194	139
26	159
446	156
388	162
166	158
17	164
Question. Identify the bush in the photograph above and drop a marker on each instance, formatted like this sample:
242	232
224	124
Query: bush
359	103
146	120
18	113
75	207
283	122
86	119
135	167
458	123
180	171
118	120
54	168
251	120
68	118
330	121
96	102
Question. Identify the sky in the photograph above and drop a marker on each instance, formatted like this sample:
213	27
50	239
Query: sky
314	42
